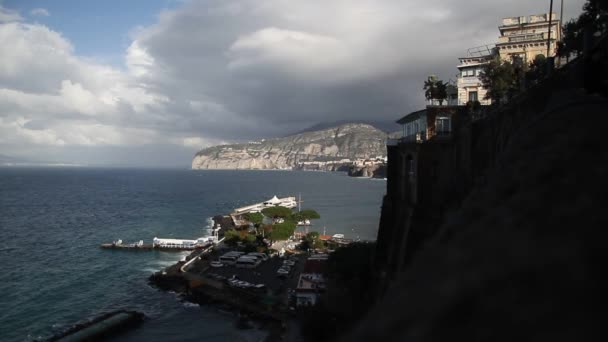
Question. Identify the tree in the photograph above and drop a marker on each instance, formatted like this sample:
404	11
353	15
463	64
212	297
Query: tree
312	240
537	69
307	214
500	79
255	218
282	231
232	237
572	40
435	89
594	18
442	93
276	212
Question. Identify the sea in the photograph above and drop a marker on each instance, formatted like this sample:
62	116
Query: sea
52	220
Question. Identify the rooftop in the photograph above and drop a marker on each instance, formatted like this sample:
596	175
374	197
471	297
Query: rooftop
412	116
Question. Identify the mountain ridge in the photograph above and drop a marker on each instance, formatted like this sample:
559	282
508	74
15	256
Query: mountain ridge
326	149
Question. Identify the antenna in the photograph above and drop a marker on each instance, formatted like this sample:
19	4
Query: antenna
299	202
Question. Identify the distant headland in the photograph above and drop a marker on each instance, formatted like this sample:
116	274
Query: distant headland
356	148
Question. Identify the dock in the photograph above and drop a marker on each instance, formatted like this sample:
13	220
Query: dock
127	246
165	244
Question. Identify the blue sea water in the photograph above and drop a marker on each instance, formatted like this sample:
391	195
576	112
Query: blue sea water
53	272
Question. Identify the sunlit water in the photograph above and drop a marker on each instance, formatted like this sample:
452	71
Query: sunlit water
52	222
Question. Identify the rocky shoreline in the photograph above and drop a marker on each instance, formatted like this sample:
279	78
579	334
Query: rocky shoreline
371	171
195	289
192	286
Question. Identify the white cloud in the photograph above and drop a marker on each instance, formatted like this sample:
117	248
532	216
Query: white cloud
218	70
40	12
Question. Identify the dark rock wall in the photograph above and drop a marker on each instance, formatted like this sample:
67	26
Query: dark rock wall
517	254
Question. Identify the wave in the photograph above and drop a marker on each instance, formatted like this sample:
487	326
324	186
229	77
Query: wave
191	305
150	270
166	263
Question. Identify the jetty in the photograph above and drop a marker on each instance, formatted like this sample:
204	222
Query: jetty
167	244
101	327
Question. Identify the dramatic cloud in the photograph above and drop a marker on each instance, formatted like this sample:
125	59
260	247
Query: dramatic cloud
40	12
216	70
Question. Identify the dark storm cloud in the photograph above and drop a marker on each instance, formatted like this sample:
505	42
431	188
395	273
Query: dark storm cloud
275	63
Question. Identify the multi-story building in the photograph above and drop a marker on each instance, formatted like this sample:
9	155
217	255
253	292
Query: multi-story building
527	36
470	68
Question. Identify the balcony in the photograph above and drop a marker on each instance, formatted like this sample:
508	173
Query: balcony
469	81
419	137
519	38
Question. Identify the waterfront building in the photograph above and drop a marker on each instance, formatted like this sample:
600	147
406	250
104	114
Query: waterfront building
288	202
183	243
526	36
434	139
470	68
311	282
310	286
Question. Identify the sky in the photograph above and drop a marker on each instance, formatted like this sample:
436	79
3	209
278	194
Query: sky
150	82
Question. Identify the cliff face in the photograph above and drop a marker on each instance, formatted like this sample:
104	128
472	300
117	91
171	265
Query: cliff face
326	149
519	257
372	171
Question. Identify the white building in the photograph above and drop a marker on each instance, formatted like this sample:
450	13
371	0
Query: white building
288	202
527	36
309	287
182	243
470	68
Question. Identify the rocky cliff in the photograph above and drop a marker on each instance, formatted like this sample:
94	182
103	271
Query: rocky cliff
325	149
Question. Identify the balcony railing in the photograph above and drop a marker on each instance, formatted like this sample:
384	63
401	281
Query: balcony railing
518	38
467	81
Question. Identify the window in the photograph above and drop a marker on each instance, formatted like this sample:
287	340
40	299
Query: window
479	72
443	125
473	96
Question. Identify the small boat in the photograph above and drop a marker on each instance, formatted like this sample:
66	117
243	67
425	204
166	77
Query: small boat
304	223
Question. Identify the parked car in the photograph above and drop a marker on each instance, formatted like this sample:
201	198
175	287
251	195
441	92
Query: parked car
216	264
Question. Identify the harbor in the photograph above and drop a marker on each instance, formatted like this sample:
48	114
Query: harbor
261	260
256	269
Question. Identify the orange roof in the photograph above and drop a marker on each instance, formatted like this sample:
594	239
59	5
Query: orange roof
324	237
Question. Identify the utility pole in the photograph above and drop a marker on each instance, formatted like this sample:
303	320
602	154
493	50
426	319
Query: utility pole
550	23
561	16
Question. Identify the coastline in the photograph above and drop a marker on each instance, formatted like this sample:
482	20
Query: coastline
249	309
377	172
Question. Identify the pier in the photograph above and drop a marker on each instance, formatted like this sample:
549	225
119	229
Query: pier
167	244
102	327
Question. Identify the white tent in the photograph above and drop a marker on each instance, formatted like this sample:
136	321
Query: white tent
274	200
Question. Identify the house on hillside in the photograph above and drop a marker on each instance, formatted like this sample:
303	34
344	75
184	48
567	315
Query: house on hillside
470	68
526	36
